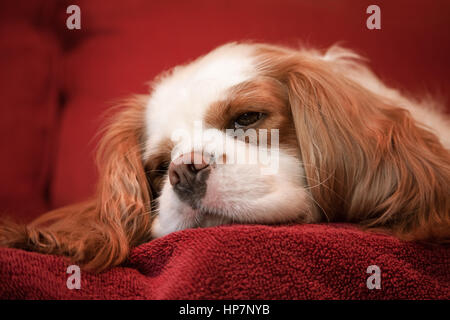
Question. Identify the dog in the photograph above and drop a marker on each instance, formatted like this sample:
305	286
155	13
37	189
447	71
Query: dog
340	146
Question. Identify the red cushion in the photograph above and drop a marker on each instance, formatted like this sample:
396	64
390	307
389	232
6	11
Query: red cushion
244	262
28	114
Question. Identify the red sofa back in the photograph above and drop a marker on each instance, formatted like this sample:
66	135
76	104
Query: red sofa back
56	83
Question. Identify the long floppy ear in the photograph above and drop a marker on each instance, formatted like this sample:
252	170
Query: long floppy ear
366	159
99	233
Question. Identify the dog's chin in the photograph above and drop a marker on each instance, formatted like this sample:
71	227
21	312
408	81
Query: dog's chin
237	194
200	217
176	215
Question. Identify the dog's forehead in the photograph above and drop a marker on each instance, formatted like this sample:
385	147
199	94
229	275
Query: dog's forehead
183	97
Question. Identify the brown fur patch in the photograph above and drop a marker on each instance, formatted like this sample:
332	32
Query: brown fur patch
99	233
155	162
371	162
263	94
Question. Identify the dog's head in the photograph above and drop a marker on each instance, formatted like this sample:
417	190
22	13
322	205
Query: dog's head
253	133
234	155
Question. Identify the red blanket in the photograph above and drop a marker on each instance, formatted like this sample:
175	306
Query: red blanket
244	262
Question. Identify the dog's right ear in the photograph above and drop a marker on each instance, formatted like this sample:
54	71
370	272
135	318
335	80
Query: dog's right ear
98	234
369	160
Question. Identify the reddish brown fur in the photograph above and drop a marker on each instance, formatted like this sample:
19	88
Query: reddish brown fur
376	166
99	233
153	163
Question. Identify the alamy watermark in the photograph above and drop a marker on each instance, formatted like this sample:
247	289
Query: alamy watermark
74	20
235	146
374	280
374	20
74	280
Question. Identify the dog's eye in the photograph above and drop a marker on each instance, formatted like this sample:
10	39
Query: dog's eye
163	167
247	119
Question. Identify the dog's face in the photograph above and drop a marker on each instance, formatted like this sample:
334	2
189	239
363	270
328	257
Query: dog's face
253	133
221	145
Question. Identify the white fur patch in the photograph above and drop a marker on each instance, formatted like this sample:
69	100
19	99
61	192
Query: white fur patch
181	98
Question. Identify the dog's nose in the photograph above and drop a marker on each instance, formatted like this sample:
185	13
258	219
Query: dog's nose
188	170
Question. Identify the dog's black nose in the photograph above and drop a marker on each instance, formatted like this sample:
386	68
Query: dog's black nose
183	171
188	175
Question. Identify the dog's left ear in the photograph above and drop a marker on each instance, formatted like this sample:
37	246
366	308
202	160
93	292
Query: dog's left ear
124	195
99	233
366	159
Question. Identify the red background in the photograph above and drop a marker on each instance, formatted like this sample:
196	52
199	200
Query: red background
56	83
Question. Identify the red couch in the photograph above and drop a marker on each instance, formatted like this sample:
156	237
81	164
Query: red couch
56	83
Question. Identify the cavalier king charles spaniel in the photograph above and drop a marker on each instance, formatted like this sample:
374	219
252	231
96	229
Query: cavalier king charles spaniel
334	144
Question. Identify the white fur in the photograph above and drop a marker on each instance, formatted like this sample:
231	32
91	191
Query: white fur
181	97
241	191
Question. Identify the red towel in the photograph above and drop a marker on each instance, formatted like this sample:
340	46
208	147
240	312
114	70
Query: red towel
245	262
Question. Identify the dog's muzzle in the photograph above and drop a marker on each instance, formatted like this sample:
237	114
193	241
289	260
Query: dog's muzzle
188	175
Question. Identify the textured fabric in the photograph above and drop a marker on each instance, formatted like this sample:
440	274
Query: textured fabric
244	262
